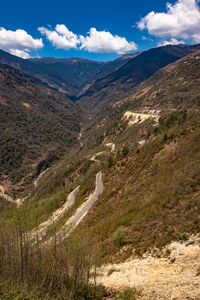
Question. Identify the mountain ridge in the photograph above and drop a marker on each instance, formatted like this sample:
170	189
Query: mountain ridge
66	75
115	85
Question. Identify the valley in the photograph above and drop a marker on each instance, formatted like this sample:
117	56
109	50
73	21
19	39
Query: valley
107	166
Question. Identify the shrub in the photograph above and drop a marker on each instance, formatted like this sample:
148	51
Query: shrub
119	237
127	294
110	162
125	151
165	137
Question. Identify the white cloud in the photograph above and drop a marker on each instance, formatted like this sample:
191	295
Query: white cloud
170	42
182	20
18	42
61	37
20	53
196	37
95	41
105	42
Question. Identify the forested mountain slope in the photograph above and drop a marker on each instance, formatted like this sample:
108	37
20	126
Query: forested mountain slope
108	68
114	86
68	76
74	71
34	120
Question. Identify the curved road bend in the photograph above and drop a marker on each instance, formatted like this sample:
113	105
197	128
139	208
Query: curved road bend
111	145
18	202
6	197
93	158
80	213
42	228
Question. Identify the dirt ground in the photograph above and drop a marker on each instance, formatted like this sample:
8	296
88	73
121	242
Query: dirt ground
173	275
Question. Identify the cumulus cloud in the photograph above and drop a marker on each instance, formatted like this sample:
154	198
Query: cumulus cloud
18	42
96	41
61	37
105	42
182	20
196	37
170	42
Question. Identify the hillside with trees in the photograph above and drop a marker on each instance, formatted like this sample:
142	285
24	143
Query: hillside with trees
36	123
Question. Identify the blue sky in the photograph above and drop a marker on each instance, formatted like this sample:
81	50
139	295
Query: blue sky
158	25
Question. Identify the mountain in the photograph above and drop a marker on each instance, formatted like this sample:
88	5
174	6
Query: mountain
74	71
108	68
35	123
68	76
115	85
80	73
114	65
151	181
126	199
37	71
174	87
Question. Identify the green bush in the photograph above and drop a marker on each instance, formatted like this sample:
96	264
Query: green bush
110	162
88	292
120	237
127	294
165	137
125	151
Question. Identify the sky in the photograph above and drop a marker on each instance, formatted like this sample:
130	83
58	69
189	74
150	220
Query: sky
95	29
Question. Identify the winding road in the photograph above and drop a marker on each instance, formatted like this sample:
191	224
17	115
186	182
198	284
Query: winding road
77	217
42	228
37	179
111	145
6	197
18	201
93	158
80	213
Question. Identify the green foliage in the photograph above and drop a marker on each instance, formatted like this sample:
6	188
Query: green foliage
127	294
99	139
87	292
33	120
110	162
165	137
118	155
85	167
120	237
46	163
178	117
125	151
11	291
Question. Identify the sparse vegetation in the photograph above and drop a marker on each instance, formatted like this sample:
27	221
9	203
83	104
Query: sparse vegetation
150	191
127	294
